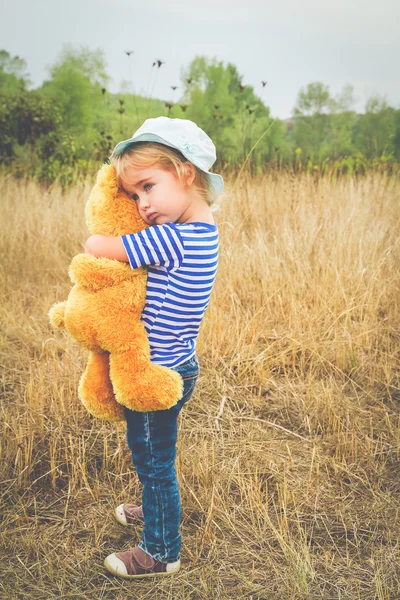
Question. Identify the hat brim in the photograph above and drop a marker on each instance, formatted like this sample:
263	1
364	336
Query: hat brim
217	182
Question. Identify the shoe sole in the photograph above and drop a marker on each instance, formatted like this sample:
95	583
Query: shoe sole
113	571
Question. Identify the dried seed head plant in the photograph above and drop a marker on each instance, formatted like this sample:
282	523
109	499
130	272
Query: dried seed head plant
290	470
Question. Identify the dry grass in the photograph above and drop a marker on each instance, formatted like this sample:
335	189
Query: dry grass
296	494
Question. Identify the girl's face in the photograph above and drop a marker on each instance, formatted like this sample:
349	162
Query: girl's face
160	196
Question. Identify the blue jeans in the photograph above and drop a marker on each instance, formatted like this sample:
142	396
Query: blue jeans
152	437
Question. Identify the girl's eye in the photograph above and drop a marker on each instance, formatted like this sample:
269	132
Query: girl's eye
135	196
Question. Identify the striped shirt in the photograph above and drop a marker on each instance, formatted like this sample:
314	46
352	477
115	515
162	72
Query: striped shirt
182	261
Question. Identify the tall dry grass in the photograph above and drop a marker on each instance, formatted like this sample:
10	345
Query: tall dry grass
293	492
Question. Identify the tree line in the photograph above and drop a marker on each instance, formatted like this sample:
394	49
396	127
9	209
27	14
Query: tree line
68	126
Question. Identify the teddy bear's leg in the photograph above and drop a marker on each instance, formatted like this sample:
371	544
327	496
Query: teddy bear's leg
139	384
96	391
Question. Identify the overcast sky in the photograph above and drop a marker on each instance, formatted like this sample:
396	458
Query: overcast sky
288	43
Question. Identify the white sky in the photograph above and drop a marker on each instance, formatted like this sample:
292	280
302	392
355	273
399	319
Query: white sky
289	43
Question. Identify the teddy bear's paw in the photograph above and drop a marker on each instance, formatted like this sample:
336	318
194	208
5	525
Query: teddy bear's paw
101	403
153	388
56	315
107	412
95	273
96	392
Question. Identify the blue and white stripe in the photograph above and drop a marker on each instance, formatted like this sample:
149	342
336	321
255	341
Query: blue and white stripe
182	261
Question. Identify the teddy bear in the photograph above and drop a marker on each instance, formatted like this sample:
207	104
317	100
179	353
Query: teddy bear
102	312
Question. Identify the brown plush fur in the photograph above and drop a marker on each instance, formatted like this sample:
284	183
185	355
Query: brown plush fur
103	312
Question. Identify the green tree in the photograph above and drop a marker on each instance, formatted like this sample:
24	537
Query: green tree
314	100
77	79
396	139
342	121
13	76
376	130
230	112
24	117
323	125
311	122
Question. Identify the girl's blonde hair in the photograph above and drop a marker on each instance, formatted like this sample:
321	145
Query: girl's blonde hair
146	154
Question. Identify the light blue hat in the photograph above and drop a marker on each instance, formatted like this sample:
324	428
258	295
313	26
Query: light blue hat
183	135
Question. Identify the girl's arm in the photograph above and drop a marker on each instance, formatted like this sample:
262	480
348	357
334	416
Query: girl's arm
105	246
157	245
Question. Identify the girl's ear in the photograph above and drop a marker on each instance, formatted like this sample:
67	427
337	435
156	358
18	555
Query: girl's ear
190	173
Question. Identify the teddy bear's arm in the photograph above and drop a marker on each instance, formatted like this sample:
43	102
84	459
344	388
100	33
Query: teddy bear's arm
96	273
56	315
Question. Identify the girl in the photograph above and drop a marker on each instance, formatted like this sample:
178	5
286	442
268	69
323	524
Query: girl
164	167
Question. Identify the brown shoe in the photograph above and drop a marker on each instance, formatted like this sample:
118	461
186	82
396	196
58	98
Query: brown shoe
129	514
135	563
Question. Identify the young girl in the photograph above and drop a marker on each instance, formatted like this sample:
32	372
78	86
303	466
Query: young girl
164	167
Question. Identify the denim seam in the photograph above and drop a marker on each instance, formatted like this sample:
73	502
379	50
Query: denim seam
150	449
187	377
158	491
162	520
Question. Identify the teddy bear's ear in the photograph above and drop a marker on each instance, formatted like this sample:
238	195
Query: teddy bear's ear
107	177
109	209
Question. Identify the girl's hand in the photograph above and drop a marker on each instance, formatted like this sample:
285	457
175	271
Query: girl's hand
87	245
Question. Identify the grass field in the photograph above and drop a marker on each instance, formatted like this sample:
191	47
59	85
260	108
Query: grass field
294	491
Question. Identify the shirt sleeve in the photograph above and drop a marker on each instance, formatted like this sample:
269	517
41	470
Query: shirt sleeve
159	245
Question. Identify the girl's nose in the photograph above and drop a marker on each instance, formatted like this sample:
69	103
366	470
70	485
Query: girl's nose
143	203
